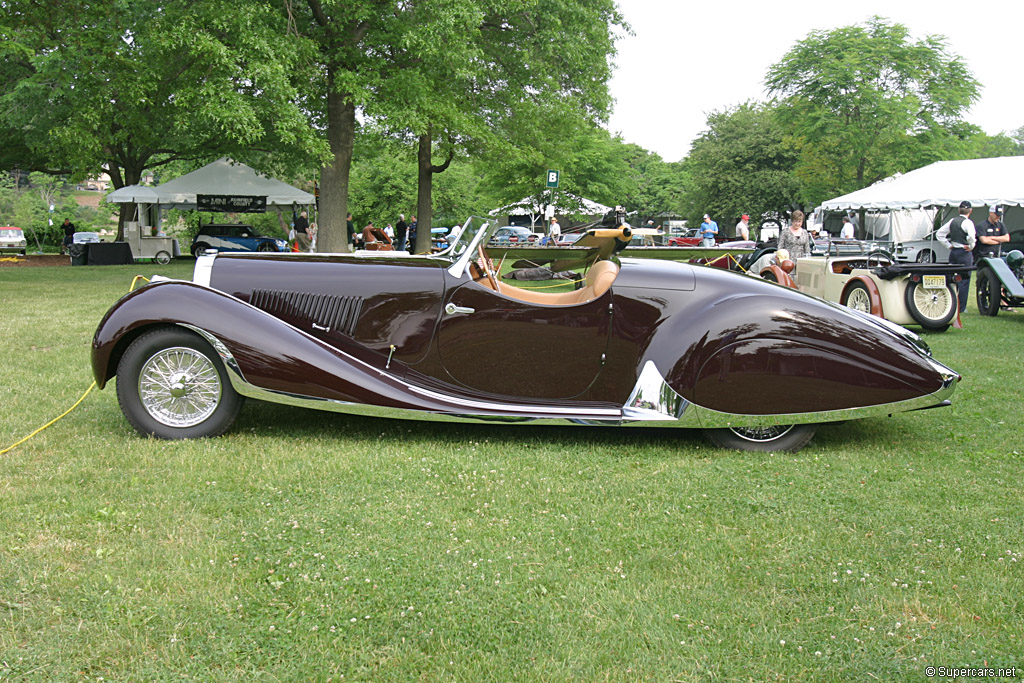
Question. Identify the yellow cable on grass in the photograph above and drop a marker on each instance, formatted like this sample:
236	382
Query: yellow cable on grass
11	447
91	387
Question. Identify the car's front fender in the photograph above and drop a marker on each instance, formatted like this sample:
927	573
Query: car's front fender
264	351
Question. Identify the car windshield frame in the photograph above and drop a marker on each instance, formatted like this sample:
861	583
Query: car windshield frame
12	233
461	246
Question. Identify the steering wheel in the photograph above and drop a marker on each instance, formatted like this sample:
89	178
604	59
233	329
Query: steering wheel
487	266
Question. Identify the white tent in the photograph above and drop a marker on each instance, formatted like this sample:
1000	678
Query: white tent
983	182
570	204
134	194
222	178
225	177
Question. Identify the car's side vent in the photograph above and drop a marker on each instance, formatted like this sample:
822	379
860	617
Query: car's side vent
338	313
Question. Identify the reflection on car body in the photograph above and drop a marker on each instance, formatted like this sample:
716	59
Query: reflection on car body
641	343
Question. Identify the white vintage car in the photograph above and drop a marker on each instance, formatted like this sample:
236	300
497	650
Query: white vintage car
922	294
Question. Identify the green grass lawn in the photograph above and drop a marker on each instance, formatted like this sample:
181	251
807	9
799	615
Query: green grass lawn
314	546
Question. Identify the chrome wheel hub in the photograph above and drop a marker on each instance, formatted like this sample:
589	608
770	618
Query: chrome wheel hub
179	387
761	434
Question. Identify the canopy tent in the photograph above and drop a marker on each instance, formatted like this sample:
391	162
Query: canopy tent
222	178
568	204
983	182
223	185
134	194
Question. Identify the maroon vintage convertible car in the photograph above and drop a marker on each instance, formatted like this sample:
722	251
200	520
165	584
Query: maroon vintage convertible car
440	337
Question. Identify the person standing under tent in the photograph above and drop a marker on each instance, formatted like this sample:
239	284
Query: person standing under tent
959	236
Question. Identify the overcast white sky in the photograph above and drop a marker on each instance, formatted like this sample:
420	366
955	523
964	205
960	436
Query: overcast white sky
689	58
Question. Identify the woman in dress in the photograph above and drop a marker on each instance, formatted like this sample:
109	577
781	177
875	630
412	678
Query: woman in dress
796	238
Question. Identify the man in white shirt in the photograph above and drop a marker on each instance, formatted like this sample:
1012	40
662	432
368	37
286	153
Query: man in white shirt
960	236
847	232
554	232
743	228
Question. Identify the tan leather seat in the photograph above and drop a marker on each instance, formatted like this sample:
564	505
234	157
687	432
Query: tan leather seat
375	239
599	279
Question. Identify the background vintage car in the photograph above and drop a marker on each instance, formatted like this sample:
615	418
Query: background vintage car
1000	282
512	235
642	343
925	250
234	237
12	240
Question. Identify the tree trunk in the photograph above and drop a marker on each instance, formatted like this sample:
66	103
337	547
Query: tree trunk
425	185
332	235
123	178
425	180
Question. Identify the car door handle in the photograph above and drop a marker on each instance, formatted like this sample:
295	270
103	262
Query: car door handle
452	309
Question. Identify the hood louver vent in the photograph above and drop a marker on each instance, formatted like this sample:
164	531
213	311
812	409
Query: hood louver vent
339	313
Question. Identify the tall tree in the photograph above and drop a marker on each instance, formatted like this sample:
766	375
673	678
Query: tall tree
740	164
448	76
122	87
866	101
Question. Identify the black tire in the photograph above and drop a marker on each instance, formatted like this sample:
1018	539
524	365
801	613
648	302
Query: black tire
171	384
989	292
199	247
163	258
266	246
926	256
931	309
788	438
858	298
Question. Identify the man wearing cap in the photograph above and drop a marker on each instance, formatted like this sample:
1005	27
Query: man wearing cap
991	234
743	228
708	230
960	237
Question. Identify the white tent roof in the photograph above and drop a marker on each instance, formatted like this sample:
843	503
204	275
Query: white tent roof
134	194
983	182
574	205
222	177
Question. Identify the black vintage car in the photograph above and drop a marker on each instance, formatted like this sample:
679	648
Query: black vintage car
640	343
1000	282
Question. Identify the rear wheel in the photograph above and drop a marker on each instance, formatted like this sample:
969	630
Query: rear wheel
199	248
990	292
162	257
789	438
932	309
171	384
858	298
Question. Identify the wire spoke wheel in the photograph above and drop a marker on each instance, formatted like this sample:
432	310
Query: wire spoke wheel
859	299
934	304
179	387
761	434
763	439
171	384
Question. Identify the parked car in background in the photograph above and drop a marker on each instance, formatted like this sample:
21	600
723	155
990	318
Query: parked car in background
925	250
512	235
234	237
689	238
568	239
12	240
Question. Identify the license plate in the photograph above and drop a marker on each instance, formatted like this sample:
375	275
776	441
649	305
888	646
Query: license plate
934	281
